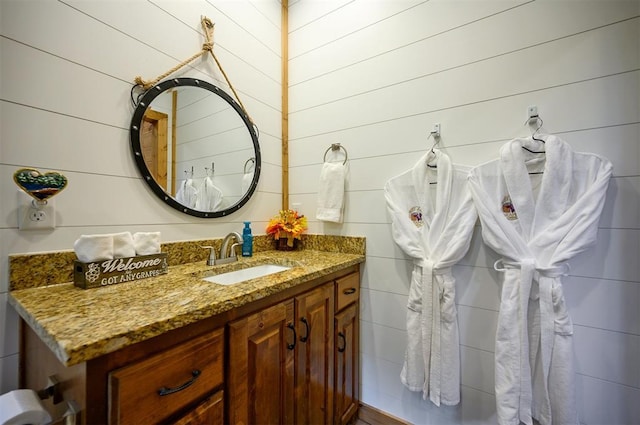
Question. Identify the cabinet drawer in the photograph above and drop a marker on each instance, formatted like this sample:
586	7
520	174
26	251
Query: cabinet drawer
209	412
347	290
150	390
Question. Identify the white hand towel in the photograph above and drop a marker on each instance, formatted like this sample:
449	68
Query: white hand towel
331	192
147	243
123	245
90	248
247	178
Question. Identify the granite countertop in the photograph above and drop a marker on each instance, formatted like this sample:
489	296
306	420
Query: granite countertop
79	325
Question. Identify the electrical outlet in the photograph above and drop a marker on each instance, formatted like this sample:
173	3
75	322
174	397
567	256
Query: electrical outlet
37	215
32	216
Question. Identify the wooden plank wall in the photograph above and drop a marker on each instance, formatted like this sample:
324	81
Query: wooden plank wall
66	74
377	75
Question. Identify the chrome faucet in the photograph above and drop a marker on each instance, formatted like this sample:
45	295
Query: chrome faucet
224	257
225	246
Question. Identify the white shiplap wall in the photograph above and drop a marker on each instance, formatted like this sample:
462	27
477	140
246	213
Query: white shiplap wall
67	68
377	75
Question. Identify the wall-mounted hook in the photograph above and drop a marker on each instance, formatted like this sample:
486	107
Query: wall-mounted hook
435	133
210	171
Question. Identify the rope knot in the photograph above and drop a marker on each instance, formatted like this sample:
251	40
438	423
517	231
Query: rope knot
145	84
208	46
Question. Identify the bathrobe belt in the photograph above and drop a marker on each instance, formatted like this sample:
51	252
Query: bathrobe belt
431	326
545	277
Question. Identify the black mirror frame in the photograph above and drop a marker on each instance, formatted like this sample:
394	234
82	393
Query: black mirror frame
136	124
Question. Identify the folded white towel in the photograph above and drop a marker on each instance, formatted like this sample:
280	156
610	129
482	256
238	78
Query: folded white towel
147	243
90	248
123	245
331	192
247	179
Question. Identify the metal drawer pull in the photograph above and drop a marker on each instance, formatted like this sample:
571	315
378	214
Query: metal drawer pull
306	324
295	337
344	342
166	391
349	291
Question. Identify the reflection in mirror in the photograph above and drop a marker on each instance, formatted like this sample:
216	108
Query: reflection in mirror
196	147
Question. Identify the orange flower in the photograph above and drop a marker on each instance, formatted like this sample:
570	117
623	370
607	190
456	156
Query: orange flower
287	224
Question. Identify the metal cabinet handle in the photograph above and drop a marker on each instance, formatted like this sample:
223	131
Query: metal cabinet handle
166	391
295	337
344	342
306	325
349	291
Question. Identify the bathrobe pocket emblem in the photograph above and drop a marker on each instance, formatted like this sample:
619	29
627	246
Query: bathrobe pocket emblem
508	209
415	214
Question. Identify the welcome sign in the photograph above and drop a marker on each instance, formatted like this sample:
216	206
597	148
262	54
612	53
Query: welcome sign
118	270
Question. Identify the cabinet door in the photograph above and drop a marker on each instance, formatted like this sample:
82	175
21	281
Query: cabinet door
261	366
347	364
314	378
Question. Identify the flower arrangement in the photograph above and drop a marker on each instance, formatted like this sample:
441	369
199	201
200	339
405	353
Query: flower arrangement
287	224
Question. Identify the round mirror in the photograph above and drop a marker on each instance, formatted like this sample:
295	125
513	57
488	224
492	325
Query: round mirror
195	147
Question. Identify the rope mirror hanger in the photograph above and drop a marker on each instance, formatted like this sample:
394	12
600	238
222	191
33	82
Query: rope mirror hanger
208	28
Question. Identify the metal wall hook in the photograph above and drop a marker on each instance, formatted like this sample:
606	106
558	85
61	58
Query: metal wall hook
533	135
213	169
436	137
435	132
250	160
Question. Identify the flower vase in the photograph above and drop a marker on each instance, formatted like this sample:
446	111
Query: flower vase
281	245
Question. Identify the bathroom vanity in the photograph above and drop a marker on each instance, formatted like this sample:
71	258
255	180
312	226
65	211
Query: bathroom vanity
176	348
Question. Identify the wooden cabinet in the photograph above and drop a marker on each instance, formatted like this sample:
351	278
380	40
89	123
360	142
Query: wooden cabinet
347	347
291	357
260	378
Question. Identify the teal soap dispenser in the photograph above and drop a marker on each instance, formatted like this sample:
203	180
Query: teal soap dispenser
247	240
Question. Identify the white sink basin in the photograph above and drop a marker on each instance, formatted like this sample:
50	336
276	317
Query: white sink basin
238	276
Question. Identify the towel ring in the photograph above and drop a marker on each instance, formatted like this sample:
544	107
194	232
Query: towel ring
335	147
248	161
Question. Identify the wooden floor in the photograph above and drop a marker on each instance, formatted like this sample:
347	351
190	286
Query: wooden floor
361	422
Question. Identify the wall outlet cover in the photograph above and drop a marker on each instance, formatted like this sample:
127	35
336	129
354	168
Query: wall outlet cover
32	216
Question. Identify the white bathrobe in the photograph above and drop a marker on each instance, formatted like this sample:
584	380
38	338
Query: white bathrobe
537	222
432	223
209	197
